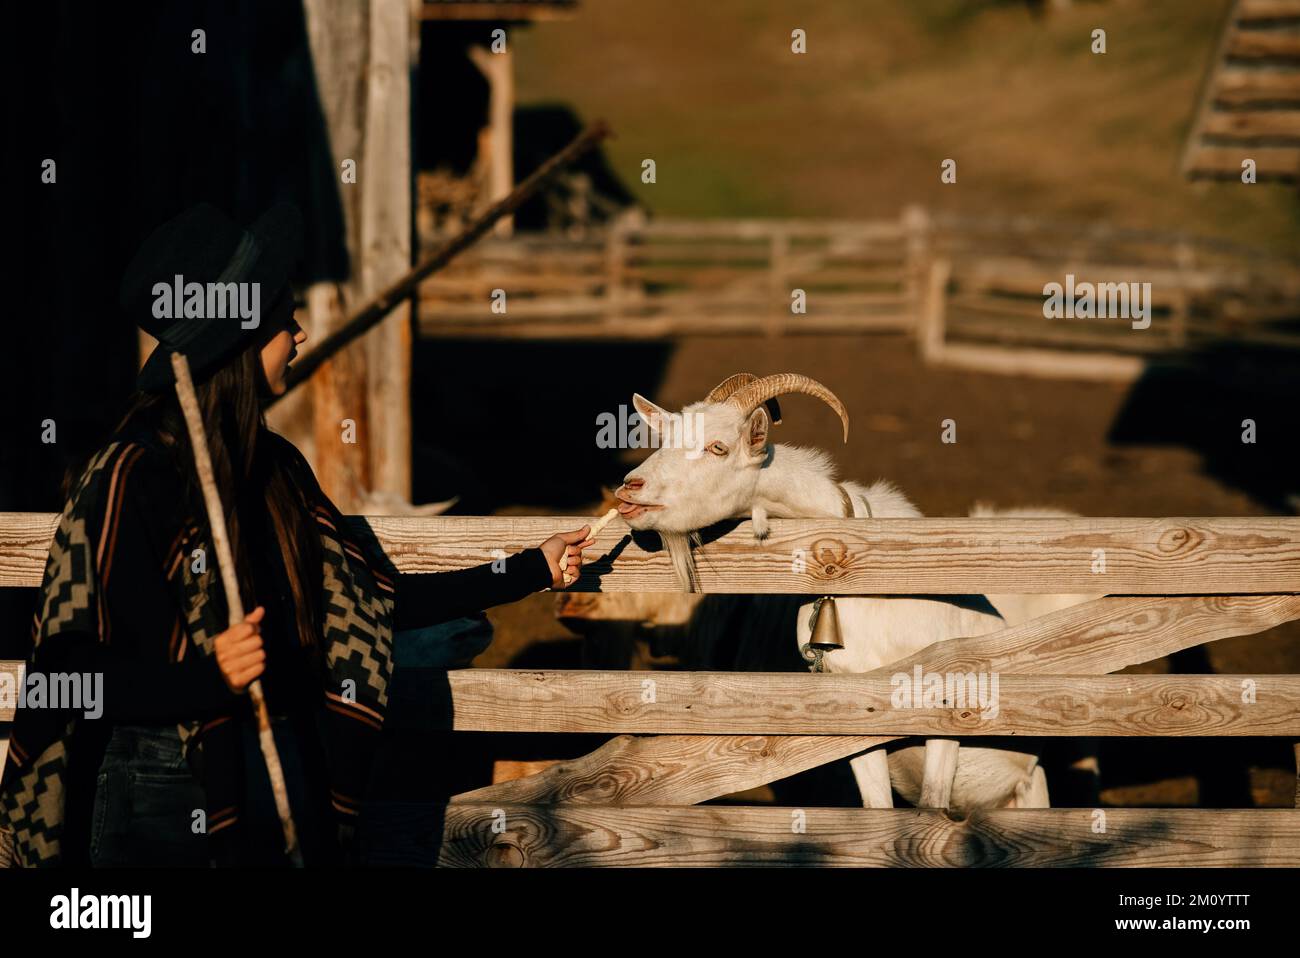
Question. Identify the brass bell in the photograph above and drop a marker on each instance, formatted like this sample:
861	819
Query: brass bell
825	626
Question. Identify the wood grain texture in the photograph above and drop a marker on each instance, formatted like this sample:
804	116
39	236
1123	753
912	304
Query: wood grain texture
382	250
762	705
1103	635
1108	634
845	556
710	836
677	769
784	703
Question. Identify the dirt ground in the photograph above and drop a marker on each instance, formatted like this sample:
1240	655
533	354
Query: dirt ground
1086	447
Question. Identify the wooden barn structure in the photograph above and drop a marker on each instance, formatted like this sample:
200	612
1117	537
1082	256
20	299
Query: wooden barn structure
369	61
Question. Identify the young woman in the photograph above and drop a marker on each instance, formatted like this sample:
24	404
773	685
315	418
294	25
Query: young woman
171	772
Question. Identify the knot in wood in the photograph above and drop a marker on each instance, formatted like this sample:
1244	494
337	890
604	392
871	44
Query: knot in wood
1179	540
504	854
830	557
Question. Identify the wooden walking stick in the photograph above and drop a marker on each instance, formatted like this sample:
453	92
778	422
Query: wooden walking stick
234	604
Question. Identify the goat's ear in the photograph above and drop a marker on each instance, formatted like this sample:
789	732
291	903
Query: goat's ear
650	414
756	429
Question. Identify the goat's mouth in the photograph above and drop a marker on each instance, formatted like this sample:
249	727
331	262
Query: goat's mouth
632	510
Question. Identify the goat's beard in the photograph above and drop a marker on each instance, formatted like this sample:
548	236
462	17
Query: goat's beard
679	546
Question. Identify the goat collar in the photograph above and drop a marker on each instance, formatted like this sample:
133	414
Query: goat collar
848	502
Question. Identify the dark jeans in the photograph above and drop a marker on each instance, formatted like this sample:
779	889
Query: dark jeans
146	800
148	804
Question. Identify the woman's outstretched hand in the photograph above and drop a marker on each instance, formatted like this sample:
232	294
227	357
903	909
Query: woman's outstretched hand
240	655
568	544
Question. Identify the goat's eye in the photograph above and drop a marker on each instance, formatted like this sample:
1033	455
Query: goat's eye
717	448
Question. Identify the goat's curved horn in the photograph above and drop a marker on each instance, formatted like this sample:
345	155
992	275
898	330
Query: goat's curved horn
725	389
748	396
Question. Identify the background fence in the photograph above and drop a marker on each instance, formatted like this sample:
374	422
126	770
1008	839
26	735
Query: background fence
680	278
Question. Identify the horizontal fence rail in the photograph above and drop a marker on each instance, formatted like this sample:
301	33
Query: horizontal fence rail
709	836
845	556
731	703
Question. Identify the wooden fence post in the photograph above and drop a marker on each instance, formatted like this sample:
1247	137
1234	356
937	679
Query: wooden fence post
778	250
933	310
361	54
916	236
615	264
940	769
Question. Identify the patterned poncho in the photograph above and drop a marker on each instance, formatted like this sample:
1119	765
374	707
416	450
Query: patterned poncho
81	588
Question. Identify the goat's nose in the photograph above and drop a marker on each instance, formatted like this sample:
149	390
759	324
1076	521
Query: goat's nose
633	482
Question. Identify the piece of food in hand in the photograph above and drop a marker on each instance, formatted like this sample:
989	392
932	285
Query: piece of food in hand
595	530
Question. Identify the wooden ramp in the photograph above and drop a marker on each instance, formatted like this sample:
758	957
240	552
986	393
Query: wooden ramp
1250	100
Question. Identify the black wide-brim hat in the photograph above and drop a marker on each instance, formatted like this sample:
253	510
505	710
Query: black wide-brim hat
203	245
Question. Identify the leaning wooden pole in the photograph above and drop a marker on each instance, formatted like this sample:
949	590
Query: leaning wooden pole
234	604
372	312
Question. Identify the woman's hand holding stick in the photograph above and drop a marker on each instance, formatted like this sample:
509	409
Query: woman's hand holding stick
234	604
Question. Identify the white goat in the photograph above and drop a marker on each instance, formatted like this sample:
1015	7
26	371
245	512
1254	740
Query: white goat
730	470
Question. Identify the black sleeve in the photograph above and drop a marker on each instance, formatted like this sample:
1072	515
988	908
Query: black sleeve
426	598
138	690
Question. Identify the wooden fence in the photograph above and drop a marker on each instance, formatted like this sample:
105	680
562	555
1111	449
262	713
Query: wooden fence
1172	584
983	299
672	278
970	288
1250	97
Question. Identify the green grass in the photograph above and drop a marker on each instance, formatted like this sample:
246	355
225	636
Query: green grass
857	127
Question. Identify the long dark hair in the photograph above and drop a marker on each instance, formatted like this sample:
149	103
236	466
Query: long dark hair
231	403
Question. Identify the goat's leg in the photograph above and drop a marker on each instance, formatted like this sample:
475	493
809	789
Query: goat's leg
871	769
758	516
940	770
